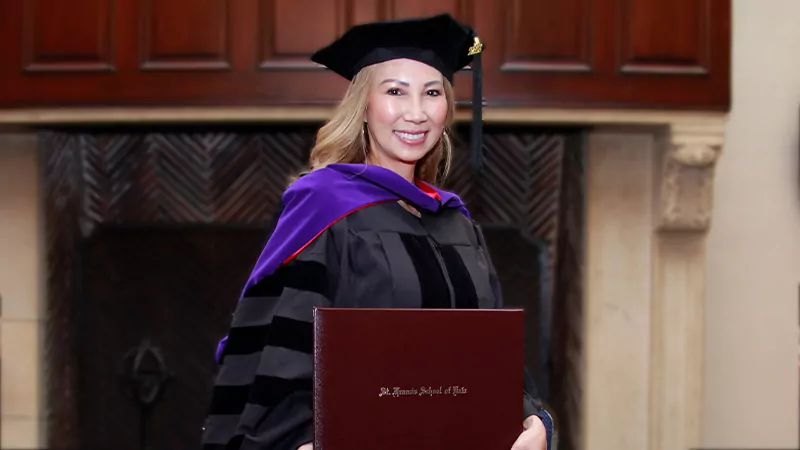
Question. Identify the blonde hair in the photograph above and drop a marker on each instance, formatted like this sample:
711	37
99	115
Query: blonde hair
343	138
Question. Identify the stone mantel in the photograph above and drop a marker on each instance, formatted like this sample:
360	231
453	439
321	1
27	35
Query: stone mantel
649	205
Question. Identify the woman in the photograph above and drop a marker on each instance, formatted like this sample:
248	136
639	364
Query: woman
364	228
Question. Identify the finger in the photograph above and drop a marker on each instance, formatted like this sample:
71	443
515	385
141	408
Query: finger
519	444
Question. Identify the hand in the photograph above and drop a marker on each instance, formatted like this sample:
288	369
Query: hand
308	446
534	437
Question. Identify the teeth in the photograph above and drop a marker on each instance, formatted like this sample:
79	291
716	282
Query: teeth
409	136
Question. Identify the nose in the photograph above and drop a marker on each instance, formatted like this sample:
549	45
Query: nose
416	111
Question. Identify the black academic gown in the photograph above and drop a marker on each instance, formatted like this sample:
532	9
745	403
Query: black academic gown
380	256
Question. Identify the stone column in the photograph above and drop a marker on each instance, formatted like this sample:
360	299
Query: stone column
649	200
22	294
685	200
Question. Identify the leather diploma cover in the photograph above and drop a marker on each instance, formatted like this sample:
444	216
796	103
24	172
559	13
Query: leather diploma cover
392	379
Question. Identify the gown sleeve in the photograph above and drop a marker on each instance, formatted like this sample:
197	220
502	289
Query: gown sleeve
263	395
531	404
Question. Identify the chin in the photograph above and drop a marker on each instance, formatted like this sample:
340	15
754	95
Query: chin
405	154
410	156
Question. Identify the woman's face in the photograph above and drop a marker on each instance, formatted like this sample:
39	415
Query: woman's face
406	113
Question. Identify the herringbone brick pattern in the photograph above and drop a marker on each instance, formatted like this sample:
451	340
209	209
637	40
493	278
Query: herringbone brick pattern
234	177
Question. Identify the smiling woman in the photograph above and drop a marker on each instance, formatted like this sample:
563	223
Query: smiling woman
344	236
395	114
410	105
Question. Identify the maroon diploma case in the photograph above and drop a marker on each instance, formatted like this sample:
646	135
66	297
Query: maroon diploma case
401	379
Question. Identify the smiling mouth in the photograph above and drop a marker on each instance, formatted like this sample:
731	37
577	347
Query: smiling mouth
411	137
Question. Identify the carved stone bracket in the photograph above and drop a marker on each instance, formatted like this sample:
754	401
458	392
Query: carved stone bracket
687	175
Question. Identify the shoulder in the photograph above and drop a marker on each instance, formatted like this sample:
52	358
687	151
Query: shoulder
308	208
316	186
311	204
448	198
321	198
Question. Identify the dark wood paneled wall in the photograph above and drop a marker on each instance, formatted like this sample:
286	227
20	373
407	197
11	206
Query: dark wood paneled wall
100	185
566	53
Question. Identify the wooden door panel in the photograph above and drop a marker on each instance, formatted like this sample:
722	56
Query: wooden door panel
665	37
460	9
290	31
85	43
186	35
546	36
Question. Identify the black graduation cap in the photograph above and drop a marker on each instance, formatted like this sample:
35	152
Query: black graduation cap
439	41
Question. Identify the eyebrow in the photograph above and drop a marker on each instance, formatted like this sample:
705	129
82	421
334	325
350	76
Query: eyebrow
393	80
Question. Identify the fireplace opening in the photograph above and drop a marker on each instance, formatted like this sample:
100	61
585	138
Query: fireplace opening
151	233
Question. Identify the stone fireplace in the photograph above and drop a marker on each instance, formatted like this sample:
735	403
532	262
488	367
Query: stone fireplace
631	294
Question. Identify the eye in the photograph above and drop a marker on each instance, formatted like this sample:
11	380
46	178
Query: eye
434	92
393	91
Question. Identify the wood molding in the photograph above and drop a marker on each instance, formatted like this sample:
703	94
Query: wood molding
684	120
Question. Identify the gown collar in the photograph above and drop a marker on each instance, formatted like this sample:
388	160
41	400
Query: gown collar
421	194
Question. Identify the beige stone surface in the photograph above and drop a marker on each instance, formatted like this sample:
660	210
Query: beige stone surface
617	291
753	268
20	434
21	372
20	220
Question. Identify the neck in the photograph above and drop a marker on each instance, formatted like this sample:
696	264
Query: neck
403	169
